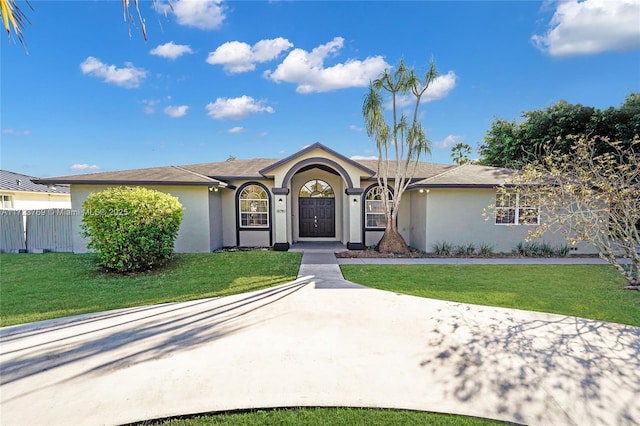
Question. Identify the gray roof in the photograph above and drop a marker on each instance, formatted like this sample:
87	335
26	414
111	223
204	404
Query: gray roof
467	175
218	173
423	169
12	181
234	169
169	175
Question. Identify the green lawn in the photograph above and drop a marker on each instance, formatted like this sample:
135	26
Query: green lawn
331	416
590	291
35	287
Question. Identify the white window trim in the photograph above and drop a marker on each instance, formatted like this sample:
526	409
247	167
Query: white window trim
367	213
244	213
517	208
9	200
308	185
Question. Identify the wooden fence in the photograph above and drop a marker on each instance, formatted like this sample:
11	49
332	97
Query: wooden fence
36	231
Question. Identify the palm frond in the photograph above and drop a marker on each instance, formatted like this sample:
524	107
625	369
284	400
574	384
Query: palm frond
14	19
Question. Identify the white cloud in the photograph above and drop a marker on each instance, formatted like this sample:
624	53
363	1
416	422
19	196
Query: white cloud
306	69
83	167
236	108
591	26
149	105
355	128
129	76
171	50
237	129
363	157
176	111
236	56
202	14
438	89
448	142
16	132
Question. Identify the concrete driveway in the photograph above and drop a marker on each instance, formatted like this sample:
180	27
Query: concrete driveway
305	345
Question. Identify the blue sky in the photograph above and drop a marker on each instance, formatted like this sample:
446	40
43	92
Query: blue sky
264	79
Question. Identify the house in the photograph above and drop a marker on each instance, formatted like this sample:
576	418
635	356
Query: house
318	194
18	191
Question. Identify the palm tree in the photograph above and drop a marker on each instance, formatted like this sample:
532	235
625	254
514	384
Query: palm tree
400	144
14	18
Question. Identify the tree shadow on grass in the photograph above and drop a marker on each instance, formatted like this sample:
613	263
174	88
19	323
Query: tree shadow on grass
111	340
541	370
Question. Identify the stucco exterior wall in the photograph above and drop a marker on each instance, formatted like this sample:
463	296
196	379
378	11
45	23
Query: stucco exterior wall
404	217
193	236
215	220
38	200
254	238
228	212
455	216
418	234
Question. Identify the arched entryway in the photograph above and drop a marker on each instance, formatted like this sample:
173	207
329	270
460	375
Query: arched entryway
317	210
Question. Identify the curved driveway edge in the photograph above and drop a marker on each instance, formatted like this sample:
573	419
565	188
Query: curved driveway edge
305	345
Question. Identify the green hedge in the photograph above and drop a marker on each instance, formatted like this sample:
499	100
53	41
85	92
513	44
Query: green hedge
131	228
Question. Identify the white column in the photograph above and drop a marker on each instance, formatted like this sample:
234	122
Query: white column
354	201
280	208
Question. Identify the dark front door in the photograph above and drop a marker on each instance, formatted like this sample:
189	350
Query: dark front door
317	217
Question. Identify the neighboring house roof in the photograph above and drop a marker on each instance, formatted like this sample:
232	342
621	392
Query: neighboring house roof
11	181
467	175
218	173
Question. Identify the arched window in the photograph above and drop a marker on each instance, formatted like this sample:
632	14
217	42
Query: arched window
254	207
316	188
374	208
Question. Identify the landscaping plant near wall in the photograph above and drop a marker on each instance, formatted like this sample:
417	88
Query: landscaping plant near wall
131	228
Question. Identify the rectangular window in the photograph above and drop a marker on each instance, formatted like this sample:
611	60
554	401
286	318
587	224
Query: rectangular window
516	209
7	202
254	213
374	214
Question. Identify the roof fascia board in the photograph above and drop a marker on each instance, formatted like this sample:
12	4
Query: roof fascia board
316	145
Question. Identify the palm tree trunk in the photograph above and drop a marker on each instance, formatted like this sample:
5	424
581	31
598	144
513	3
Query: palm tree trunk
392	241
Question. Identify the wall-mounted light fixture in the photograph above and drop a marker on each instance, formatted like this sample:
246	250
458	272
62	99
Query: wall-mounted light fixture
280	200
355	201
421	190
213	189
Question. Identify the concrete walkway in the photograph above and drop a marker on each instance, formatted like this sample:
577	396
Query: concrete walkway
477	261
320	341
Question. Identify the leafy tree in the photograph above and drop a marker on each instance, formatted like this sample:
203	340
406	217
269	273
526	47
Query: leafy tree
400	142
131	228
511	144
460	153
588	196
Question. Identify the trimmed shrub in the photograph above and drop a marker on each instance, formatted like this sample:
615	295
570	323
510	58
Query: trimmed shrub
131	228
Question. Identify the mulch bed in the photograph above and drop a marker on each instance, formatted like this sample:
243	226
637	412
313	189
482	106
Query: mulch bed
416	254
